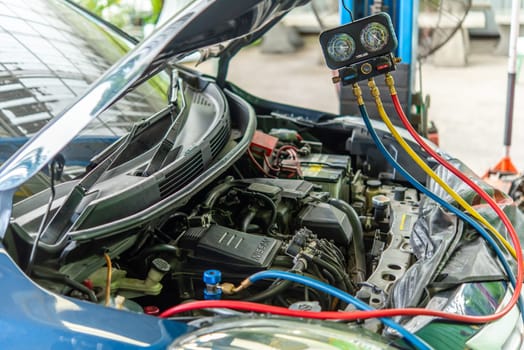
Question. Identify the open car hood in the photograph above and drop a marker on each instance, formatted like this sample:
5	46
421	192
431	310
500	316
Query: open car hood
201	24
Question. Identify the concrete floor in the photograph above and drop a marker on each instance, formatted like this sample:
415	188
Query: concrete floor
467	103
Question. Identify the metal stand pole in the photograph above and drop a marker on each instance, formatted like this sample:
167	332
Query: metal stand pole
506	165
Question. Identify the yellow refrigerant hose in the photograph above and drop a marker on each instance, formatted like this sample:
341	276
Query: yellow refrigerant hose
382	112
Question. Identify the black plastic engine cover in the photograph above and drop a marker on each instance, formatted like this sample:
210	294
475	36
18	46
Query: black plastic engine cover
326	221
294	189
219	244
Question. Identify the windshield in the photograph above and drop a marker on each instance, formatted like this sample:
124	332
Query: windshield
50	52
201	24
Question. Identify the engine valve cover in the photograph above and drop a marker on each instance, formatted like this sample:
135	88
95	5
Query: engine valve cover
222	244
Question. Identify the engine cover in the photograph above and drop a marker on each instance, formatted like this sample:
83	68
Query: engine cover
327	222
218	244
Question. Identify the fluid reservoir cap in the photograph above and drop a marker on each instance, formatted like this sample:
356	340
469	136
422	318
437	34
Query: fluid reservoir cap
380	201
374	183
151	310
212	277
161	265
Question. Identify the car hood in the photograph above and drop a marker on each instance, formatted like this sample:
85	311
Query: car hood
201	24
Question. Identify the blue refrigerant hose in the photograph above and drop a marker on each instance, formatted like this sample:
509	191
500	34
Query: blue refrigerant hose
441	202
337	293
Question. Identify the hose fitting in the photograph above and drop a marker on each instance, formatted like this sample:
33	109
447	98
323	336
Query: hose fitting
357	92
375	92
212	279
243	285
227	288
390	82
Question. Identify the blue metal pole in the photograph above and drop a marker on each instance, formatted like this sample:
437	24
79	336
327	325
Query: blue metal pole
407	30
344	15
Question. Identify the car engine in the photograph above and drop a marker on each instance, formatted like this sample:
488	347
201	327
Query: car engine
319	218
145	229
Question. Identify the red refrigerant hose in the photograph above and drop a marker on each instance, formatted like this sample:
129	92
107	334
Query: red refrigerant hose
326	315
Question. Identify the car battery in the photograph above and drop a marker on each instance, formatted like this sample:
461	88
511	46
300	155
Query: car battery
329	171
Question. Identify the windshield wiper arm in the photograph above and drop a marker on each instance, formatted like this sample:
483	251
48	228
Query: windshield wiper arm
66	216
165	148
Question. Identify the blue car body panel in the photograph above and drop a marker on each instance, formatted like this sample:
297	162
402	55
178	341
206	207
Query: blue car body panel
34	318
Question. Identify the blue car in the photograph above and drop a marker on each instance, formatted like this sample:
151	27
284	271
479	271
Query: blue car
158	207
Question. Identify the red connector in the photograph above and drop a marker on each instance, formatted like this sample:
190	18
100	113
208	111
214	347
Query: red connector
263	144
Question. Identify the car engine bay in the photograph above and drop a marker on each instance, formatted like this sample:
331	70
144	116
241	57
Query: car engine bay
312	212
290	200
220	186
224	218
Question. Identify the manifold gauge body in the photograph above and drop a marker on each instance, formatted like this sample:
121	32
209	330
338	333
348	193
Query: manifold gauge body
358	41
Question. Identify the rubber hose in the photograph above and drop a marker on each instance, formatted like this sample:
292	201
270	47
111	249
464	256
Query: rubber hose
273	206
344	282
358	236
247	220
66	280
271	291
216	192
158	248
276	287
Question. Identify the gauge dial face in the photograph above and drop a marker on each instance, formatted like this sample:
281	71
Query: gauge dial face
374	36
341	47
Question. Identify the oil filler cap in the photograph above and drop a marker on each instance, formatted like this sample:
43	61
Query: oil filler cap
161	265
